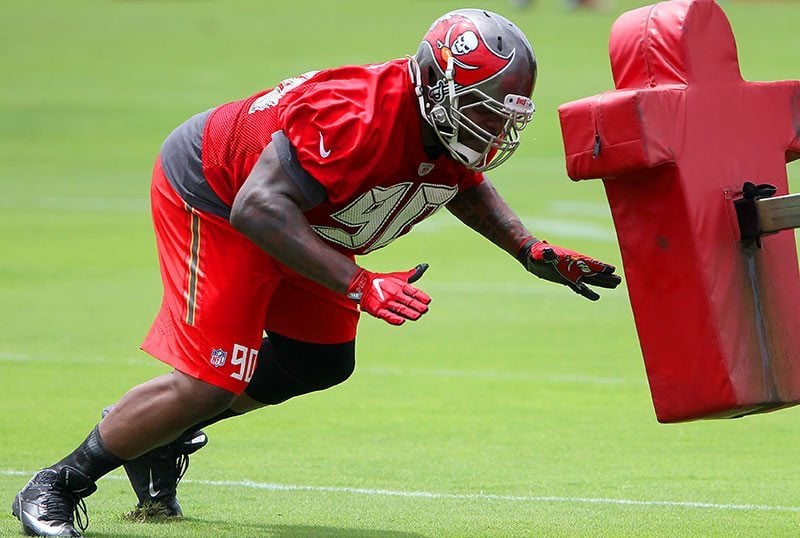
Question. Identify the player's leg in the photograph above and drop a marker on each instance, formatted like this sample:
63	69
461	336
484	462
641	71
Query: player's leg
147	416
162	409
212	345
155	474
233	290
288	367
317	353
320	354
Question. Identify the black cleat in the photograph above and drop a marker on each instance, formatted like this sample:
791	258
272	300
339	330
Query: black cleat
52	501
155	475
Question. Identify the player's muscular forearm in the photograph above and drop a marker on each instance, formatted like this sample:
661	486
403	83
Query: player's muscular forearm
484	210
278	226
269	210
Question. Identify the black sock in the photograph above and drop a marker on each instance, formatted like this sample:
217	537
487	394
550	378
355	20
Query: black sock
92	458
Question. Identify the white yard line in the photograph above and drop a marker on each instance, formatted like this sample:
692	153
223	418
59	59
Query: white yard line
482	496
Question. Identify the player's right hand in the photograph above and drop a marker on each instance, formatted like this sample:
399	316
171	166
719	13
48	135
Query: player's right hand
390	296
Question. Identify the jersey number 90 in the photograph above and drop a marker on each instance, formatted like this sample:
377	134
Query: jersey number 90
380	215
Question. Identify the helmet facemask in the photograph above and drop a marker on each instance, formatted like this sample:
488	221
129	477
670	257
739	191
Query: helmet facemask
486	132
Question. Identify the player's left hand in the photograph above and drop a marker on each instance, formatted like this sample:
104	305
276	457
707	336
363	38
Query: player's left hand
567	267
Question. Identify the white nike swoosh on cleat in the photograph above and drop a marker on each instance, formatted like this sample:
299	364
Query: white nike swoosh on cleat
153	492
377	285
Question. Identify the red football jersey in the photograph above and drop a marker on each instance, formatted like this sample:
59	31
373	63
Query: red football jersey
356	131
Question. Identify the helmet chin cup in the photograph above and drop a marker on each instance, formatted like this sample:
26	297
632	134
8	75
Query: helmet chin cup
466	155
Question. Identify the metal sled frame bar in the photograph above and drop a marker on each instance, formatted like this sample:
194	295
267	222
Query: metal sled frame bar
778	213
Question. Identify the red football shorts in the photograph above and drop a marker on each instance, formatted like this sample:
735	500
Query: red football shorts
221	292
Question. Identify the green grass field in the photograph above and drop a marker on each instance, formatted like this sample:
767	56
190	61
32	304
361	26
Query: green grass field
515	408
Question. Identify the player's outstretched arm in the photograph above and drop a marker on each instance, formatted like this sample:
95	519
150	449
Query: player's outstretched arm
269	210
484	210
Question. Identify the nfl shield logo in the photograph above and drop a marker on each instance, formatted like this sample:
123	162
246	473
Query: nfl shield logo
218	357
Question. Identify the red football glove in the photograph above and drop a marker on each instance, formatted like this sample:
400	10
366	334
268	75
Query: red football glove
567	267
389	296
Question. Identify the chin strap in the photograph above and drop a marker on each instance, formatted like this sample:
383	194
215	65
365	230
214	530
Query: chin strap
459	151
440	118
447	118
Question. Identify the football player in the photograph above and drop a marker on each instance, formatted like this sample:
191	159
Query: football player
260	207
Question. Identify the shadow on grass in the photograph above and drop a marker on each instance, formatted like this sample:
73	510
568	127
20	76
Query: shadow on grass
309	531
303	531
228	528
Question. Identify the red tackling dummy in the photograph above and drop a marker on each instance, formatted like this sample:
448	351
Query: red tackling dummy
718	323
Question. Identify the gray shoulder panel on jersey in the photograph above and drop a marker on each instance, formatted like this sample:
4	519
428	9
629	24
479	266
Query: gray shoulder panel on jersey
182	161
312	189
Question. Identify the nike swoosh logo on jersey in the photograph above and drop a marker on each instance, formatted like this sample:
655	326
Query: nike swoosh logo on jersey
377	285
153	492
322	151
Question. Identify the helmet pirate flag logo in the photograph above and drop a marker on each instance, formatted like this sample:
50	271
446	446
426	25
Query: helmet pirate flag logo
458	38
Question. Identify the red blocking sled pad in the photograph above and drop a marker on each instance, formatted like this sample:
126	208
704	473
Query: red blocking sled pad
718	323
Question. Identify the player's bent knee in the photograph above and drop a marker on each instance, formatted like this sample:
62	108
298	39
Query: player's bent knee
288	368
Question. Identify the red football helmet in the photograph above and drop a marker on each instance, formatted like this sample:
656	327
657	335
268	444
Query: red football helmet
474	74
